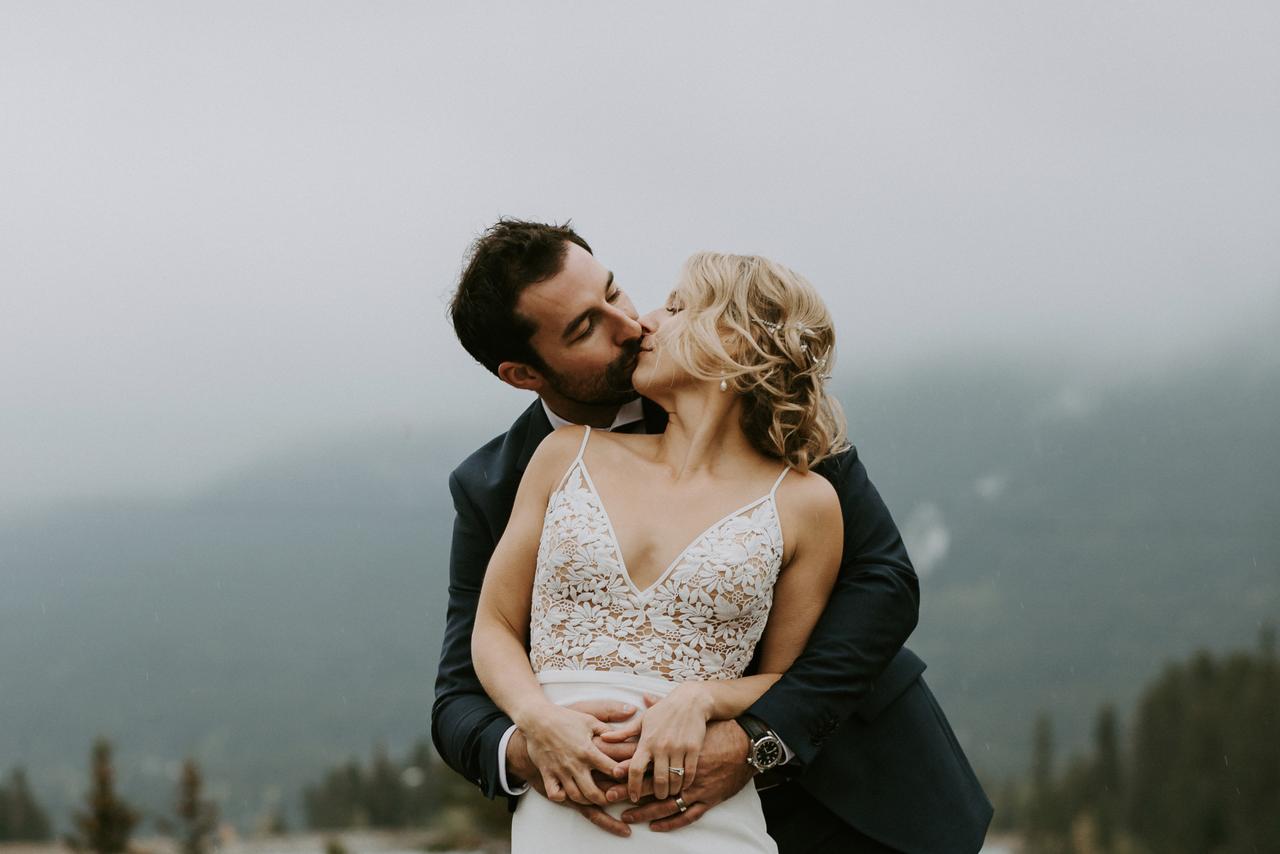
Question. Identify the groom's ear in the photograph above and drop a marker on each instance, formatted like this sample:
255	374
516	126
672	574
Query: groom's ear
522	376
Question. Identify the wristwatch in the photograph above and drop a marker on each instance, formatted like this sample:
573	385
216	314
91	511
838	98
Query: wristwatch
766	748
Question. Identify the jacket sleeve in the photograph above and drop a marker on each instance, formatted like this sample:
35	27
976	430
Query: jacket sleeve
466	726
873	609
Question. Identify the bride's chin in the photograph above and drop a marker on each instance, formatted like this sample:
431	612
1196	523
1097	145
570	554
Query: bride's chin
655	392
642	378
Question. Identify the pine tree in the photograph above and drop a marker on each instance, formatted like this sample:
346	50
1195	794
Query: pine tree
1206	762
21	818
1107	790
108	822
275	822
1042	814
421	778
1251	759
385	793
1203	772
338	801
197	819
1007	799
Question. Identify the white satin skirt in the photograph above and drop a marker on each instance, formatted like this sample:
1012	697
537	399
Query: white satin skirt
736	825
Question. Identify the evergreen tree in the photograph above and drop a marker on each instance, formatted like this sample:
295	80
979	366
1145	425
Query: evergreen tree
1107	790
272	821
1007	801
1251	719
1166	806
276	824
108	821
21	818
1203	774
1041	814
422	778
1206	762
197	819
412	793
338	801
384	796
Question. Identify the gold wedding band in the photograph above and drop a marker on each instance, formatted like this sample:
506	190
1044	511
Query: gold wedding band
680	803
679	772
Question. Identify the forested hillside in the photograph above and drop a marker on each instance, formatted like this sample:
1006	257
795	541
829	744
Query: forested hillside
1070	541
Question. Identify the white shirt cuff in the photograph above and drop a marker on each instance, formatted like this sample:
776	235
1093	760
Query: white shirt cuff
502	764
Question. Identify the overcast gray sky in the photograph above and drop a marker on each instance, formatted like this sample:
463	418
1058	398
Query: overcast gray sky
226	228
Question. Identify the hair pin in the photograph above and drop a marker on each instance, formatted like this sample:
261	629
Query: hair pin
775	328
818	363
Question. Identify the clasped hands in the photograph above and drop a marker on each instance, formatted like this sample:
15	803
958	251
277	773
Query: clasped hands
580	756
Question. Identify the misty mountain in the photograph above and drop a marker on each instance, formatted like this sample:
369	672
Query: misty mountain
1070	540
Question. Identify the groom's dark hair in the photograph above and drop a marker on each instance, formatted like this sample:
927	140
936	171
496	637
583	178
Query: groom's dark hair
510	256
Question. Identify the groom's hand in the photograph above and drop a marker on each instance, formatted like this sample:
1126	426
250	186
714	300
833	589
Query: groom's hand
520	768
722	772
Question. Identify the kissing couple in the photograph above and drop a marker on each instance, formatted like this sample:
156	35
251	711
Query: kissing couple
677	604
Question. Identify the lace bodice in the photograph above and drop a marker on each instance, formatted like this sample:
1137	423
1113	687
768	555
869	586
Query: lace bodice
701	618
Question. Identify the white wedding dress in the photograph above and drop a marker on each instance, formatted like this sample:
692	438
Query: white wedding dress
594	634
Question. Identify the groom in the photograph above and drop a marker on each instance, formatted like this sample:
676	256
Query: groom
865	759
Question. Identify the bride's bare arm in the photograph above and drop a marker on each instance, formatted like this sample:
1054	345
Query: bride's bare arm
672	730
559	739
816	526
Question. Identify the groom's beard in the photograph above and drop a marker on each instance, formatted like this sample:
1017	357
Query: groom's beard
612	388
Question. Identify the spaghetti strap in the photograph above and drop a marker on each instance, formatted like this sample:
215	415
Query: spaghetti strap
576	460
583	447
778	482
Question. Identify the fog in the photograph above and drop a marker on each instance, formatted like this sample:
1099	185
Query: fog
231	228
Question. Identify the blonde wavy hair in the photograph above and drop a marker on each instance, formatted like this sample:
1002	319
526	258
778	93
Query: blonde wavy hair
764	330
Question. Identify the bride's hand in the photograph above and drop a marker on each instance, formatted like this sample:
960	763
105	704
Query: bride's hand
559	742
671	732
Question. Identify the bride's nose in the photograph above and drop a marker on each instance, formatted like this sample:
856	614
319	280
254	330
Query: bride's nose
651	321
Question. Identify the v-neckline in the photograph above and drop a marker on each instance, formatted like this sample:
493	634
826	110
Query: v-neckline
617	544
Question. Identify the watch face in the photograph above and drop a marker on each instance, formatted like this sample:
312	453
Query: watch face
768	752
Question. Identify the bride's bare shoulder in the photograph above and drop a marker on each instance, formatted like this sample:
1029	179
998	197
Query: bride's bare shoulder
808	489
808	505
554	454
620	447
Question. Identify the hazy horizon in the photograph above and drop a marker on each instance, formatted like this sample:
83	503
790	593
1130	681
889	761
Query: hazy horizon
231	229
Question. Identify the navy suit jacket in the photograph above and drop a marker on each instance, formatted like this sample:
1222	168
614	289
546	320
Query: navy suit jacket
869	738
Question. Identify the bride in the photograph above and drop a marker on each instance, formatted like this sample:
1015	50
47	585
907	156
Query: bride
653	569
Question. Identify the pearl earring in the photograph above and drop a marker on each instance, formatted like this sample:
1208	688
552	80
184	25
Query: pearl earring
724	384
